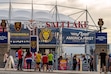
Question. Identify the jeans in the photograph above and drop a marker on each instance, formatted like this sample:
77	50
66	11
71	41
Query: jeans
19	67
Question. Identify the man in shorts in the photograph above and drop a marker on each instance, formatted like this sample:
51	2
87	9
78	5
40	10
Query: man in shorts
38	60
50	61
103	60
45	62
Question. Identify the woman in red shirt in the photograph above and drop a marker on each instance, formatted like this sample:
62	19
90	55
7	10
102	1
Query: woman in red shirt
28	58
45	61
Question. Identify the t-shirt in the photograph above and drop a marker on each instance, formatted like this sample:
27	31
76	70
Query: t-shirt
20	53
16	54
50	57
44	58
103	57
38	57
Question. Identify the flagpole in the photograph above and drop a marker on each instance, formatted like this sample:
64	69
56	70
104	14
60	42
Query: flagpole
9	16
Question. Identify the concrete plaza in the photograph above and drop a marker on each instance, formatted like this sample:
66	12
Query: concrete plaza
11	71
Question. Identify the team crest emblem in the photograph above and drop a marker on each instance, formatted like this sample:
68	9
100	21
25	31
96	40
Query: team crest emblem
33	44
3	23
45	35
17	26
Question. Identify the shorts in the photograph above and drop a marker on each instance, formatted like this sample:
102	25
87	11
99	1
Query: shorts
28	60
45	63
103	63
38	63
50	63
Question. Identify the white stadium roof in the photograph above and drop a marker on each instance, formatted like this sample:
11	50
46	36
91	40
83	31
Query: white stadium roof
38	15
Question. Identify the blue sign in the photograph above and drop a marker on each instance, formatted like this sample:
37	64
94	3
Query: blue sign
19	40
19	37
101	38
22	29
33	44
72	36
48	36
3	37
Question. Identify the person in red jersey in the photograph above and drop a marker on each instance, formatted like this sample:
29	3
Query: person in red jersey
28	58
45	62
20	59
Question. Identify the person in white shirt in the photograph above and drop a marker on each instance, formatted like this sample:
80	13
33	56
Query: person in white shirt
5	58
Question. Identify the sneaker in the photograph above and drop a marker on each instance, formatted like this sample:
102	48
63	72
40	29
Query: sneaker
21	70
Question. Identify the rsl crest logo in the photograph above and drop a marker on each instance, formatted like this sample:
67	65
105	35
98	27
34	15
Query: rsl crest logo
33	44
45	35
17	26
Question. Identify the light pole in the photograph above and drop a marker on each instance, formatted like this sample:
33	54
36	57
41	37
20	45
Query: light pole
100	24
57	43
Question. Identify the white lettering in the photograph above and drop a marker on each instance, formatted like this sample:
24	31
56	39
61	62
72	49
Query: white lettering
101	38
20	41
80	34
3	37
79	38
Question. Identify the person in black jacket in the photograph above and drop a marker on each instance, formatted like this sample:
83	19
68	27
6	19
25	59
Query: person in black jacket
74	62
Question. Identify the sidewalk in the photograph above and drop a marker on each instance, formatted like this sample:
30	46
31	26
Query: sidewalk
12	71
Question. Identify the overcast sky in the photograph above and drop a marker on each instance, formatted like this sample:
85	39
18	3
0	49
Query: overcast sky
97	9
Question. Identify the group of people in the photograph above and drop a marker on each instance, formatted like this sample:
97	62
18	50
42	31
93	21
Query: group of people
45	60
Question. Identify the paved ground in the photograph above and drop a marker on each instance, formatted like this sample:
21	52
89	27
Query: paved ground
11	71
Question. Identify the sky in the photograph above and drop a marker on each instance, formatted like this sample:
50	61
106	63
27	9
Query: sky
96	8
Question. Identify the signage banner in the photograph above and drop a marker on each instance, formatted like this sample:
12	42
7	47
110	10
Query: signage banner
19	34
19	40
101	38
63	64
47	35
3	37
72	36
33	44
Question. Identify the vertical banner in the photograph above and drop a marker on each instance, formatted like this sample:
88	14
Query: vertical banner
101	42
33	44
101	38
3	37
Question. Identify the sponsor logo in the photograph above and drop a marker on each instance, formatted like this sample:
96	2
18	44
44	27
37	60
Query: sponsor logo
17	26
3	23
3	37
33	44
101	38
46	35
